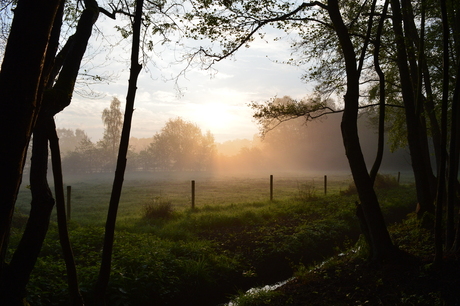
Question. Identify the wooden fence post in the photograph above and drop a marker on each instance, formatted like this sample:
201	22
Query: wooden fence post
69	191
271	187
193	194
325	184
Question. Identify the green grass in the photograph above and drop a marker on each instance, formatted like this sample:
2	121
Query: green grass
91	193
235	238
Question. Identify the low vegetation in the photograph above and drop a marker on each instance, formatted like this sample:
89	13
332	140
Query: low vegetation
347	279
170	255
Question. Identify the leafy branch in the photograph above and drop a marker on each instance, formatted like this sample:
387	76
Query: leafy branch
272	113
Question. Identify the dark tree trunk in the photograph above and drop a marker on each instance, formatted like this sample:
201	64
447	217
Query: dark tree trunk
18	271
75	296
106	261
21	78
54	100
419	155
440	198
381	130
381	244
454	151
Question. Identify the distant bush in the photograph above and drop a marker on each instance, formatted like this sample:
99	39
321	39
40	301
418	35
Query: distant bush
350	190
382	181
158	209
306	192
385	181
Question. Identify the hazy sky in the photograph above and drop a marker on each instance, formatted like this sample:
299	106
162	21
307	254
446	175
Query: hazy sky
214	102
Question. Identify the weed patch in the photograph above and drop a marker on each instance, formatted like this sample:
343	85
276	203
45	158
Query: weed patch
158	209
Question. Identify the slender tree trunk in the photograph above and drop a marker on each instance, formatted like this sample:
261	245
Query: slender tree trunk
443	158
455	147
20	81
420	158
106	262
75	296
381	131
452	184
381	244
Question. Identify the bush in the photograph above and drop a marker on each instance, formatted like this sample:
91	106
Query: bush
159	209
306	192
385	181
382	181
351	190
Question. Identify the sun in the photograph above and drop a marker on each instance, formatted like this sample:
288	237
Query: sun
215	117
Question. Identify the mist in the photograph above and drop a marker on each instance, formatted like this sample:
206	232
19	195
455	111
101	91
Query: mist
298	146
293	146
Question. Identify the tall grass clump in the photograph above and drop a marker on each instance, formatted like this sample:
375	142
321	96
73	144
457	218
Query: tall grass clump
158	209
306	191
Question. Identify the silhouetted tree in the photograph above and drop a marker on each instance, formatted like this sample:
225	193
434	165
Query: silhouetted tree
240	23
69	139
22	79
181	146
112	118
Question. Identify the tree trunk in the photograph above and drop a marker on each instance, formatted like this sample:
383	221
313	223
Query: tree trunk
54	100
440	198
381	244
20	79
381	130
18	271
419	156
106	262
75	296
455	138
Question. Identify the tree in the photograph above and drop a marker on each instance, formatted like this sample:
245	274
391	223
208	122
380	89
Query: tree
112	119
22	77
109	235
86	158
399	59
69	139
54	95
42	85
240	21
382	247
181	146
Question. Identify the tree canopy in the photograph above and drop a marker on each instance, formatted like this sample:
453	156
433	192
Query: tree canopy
181	145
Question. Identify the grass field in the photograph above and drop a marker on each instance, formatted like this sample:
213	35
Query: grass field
90	194
236	237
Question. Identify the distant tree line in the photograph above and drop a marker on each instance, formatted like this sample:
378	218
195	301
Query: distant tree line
179	146
182	146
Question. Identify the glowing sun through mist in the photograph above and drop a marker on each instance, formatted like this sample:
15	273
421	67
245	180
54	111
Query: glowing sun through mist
217	116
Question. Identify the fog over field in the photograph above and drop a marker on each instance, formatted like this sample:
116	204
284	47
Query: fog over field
292	146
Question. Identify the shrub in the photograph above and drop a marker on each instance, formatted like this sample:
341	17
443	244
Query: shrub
306	192
351	190
158	209
385	181
382	181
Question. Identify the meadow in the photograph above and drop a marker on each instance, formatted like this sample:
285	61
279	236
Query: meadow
90	193
169	254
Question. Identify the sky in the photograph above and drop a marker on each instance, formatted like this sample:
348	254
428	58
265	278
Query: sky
216	101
